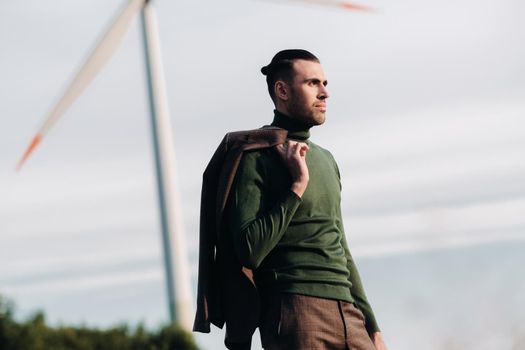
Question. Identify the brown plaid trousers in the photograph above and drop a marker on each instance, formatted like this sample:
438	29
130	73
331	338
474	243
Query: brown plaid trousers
299	322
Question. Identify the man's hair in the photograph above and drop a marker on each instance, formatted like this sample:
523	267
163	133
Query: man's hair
281	67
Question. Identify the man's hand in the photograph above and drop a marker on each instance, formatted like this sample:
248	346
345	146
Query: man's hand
293	154
377	339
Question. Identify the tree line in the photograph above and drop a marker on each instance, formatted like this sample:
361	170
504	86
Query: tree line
34	333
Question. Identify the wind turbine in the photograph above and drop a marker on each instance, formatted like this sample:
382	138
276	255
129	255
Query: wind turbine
174	247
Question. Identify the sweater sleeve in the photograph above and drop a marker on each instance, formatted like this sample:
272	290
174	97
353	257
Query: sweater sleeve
357	290
256	227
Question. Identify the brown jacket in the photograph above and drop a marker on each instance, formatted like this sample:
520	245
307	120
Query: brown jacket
226	291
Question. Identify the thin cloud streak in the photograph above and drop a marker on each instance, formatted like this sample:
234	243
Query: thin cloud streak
92	283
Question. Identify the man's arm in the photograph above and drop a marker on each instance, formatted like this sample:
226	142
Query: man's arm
256	230
360	298
357	289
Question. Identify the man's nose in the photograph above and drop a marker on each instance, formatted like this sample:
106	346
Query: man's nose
323	93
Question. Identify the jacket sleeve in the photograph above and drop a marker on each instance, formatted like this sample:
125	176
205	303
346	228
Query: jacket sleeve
257	227
357	290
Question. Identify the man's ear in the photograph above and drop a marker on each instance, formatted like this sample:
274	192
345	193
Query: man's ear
281	90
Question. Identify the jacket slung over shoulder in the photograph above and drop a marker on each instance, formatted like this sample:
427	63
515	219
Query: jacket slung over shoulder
226	291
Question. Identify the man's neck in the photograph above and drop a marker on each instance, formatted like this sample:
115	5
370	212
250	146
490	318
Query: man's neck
282	109
296	129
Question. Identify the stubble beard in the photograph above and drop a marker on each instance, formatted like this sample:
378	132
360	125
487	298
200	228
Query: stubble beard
301	111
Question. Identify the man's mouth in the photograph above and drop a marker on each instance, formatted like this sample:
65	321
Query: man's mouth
321	106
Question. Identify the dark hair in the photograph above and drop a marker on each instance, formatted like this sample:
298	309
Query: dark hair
281	66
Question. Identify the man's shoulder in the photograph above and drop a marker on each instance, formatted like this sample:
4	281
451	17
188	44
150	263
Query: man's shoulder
321	149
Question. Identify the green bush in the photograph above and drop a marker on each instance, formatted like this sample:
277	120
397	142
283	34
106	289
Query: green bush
34	334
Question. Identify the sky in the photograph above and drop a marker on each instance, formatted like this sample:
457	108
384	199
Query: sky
426	121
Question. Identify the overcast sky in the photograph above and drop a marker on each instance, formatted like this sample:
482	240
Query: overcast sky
426	119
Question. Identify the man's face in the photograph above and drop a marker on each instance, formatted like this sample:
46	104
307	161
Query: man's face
308	93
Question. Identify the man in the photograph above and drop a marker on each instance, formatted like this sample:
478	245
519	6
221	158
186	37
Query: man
285	223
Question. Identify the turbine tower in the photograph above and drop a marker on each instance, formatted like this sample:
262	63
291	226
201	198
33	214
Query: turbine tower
174	247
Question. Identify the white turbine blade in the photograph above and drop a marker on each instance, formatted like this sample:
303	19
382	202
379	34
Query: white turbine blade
338	3
98	58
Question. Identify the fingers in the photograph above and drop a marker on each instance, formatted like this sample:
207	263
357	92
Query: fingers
292	149
295	147
303	149
281	150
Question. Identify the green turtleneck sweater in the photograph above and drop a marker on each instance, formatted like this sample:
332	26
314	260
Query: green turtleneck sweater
294	245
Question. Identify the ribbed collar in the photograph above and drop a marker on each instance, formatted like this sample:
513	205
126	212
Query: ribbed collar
296	129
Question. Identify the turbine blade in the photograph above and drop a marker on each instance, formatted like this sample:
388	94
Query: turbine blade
338	3
34	143
358	7
94	63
